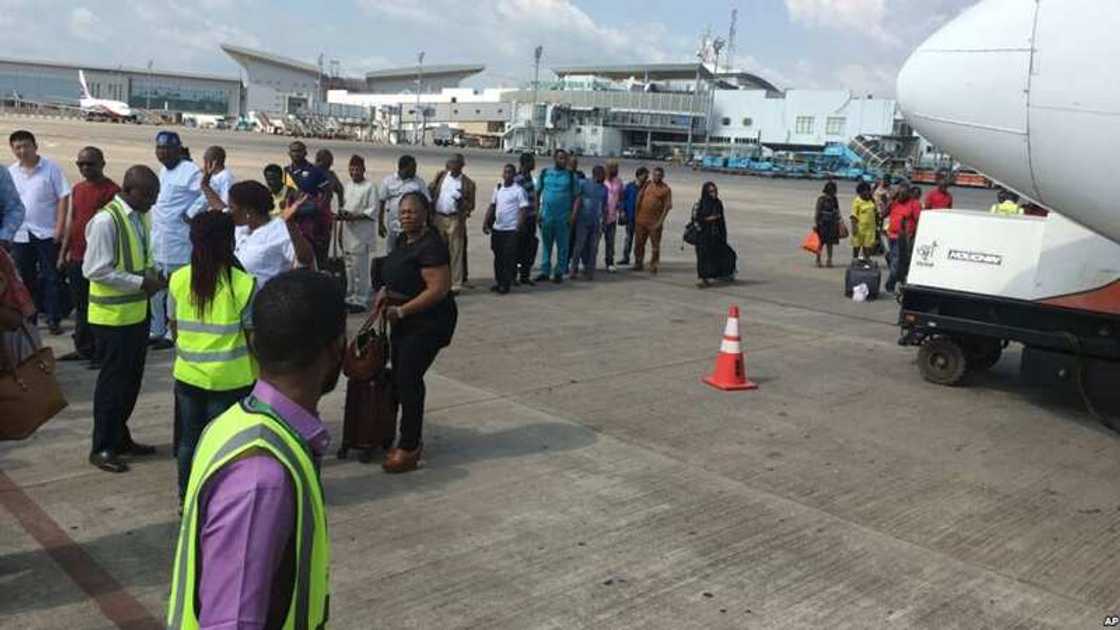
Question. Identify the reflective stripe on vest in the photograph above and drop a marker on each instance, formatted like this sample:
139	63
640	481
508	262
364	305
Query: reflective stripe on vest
112	307
243	427
211	350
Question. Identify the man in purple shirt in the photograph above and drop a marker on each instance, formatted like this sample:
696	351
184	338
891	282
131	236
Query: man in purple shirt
247	518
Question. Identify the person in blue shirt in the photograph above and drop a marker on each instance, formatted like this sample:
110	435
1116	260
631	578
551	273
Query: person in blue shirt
11	209
557	199
630	210
589	222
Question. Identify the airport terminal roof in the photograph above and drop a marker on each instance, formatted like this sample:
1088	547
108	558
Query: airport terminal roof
465	69
645	71
260	55
665	72
129	69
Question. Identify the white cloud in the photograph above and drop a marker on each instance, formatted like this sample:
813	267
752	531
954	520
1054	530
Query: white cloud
866	16
503	33
867	79
84	24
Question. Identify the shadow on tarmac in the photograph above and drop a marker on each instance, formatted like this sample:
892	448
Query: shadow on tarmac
447	453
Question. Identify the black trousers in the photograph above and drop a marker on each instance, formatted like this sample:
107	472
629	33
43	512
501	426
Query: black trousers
504	245
412	355
37	262
124	350
527	243
194	409
84	343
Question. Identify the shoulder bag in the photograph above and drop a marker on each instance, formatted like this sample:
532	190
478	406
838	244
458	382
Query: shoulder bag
29	392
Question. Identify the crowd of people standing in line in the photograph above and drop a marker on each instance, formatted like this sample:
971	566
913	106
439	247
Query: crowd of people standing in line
892	209
228	274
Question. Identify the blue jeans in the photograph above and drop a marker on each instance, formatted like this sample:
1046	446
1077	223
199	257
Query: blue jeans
158	327
892	261
554	231
195	408
587	245
37	262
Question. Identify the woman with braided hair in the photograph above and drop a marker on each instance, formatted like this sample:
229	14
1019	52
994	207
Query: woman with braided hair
210	304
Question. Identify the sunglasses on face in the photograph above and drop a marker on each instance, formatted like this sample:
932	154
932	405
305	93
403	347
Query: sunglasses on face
81	164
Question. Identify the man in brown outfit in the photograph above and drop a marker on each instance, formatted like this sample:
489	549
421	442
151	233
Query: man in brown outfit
454	196
654	203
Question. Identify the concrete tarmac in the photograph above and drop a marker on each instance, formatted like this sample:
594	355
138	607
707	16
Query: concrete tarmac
579	475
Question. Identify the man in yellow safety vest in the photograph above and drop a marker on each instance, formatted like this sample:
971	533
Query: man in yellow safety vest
118	265
254	514
1008	205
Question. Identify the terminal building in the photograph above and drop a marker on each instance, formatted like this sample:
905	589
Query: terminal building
48	82
658	110
280	85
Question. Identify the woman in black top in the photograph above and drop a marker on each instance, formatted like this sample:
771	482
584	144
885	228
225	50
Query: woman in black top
714	257
827	220
417	302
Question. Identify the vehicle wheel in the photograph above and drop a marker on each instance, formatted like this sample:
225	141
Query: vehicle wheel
941	360
981	354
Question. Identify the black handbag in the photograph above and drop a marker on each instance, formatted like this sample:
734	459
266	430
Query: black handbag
692	233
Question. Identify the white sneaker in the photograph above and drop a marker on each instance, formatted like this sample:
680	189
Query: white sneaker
611	269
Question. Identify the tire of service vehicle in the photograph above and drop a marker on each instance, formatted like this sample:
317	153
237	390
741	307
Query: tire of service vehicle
981	353
941	360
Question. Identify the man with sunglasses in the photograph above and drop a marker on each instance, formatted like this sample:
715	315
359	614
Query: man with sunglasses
93	193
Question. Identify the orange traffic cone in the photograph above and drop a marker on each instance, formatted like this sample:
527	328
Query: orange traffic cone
731	370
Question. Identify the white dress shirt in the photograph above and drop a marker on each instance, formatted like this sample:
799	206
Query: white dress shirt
99	264
450	191
180	198
40	188
508	202
220	183
265	252
392	189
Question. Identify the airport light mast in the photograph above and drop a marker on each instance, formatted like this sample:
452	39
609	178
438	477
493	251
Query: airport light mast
536	87
717	46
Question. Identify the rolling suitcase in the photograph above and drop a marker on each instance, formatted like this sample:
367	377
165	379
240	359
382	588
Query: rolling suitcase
370	419
335	264
863	272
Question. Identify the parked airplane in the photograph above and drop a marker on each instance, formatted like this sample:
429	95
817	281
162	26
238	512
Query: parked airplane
102	107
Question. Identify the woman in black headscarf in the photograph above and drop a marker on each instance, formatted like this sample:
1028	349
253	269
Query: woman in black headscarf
827	221
714	257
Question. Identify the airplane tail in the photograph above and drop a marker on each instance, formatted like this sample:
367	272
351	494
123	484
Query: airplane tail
82	82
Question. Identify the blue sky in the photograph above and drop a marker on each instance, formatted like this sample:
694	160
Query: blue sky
856	44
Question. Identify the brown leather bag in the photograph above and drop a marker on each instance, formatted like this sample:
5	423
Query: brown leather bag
370	420
368	352
29	392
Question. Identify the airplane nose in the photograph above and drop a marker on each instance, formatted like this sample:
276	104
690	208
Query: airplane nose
965	88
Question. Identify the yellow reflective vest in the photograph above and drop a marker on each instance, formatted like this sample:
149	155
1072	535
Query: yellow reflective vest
252	425
211	348
112	307
1007	209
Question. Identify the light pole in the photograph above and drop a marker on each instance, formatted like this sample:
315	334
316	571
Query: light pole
418	136
536	88
692	105
717	46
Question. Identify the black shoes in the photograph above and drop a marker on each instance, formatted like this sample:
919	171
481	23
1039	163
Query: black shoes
108	461
161	343
137	450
